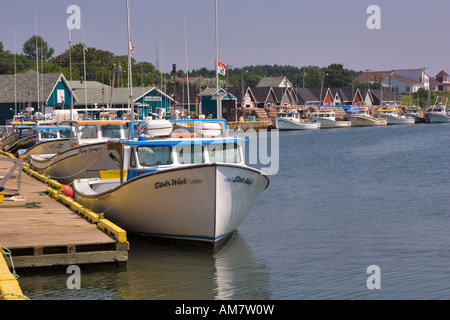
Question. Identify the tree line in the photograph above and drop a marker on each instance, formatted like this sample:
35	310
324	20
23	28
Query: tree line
103	66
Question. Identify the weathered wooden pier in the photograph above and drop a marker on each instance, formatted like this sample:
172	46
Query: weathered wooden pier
41	227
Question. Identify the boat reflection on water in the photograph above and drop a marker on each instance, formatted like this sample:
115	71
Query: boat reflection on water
175	272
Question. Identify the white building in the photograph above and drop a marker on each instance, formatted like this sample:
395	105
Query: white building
407	80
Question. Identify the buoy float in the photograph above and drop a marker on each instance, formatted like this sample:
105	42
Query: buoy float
67	190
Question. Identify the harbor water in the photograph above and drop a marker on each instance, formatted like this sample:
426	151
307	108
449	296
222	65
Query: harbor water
341	201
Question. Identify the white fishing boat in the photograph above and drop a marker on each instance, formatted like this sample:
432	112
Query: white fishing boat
327	119
362	117
191	185
48	139
292	121
84	157
392	116
437	114
416	113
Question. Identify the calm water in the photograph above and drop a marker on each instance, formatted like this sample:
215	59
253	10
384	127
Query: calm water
342	200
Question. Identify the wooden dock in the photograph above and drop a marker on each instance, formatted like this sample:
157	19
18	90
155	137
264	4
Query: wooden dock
47	228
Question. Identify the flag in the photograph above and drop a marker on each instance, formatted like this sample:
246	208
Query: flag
131	47
222	69
85	48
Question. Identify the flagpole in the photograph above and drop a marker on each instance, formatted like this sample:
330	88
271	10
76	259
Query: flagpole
219	115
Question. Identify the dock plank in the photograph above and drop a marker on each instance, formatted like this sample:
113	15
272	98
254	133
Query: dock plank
41	231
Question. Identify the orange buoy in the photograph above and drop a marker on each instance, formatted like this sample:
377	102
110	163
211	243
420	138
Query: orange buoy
67	190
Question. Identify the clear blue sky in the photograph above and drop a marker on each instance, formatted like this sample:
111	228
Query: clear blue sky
413	34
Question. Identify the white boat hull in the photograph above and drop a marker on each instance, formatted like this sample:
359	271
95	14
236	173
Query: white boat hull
391	119
361	120
437	117
76	163
329	123
47	147
200	202
288	124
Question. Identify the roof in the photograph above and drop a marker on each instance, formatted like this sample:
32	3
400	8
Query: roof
304	95
394	76
442	73
26	86
371	76
387	95
273	82
261	93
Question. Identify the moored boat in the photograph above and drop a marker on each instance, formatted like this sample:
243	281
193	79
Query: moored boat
185	186
292	121
84	157
362	117
327	119
437	114
416	113
49	139
392	116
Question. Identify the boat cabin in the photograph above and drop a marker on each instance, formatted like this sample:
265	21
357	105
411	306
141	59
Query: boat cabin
188	142
93	131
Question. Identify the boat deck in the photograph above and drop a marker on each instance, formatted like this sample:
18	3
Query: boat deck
42	231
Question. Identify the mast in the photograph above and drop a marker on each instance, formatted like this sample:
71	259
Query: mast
70	67
84	64
130	82
37	64
219	115
187	66
15	75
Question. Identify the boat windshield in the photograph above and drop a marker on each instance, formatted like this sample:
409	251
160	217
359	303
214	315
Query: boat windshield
225	153
111	131
53	133
155	155
190	154
88	132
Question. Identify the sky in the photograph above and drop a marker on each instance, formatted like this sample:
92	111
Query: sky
412	33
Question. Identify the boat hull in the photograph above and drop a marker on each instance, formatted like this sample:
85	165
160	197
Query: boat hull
329	123
437	117
417	118
47	147
361	121
76	163
397	120
287	124
202	202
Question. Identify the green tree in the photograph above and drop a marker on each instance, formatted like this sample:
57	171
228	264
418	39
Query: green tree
337	76
29	48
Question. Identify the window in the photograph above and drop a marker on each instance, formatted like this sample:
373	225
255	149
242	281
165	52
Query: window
132	159
225	153
49	134
190	154
60	95
155	155
408	89
88	132
110	131
64	133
